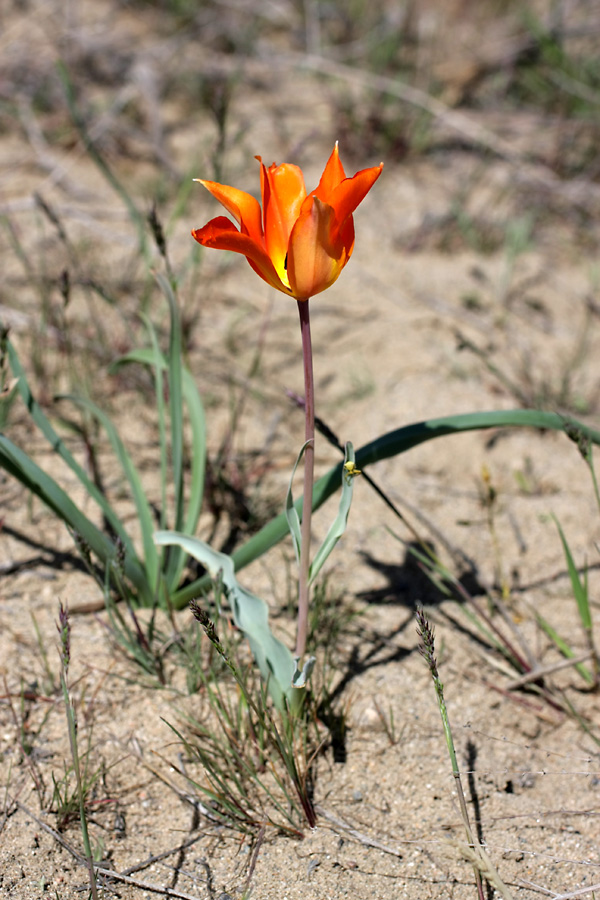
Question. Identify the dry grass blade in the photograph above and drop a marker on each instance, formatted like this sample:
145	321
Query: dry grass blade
479	859
541	671
102	871
571	895
359	836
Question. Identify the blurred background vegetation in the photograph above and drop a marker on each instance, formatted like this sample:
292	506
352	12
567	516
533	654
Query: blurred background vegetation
108	110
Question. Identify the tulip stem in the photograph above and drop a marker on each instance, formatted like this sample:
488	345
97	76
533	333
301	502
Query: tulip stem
309	468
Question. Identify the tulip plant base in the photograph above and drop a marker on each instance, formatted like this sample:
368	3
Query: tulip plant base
387	353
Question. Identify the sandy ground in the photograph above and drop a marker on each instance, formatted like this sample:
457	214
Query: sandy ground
388	340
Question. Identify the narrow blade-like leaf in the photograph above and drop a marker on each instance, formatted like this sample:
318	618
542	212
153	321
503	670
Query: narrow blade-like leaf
132	475
578	587
389	445
28	473
338	526
291	513
250	614
59	447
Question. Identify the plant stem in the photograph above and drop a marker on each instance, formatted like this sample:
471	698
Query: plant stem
309	468
64	630
75	756
427	650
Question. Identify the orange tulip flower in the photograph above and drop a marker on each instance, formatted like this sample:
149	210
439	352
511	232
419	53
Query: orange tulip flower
299	243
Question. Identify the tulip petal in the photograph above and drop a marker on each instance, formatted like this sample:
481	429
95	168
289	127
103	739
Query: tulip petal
346	236
283	193
298	243
333	174
316	253
221	234
352	191
243	207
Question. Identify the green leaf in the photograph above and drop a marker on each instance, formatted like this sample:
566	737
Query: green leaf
566	650
142	506
173	563
250	614
291	513
579	589
21	467
7	397
301	676
158	365
389	445
57	444
338	527
175	398
197	420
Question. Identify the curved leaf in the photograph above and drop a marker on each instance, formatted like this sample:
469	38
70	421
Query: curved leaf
291	513
144	513
250	614
21	467
338	526
392	444
58	445
193	401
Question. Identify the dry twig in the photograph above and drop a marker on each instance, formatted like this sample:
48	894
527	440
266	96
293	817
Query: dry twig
357	835
110	873
540	671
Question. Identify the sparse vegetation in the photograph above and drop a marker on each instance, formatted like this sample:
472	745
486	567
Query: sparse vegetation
145	386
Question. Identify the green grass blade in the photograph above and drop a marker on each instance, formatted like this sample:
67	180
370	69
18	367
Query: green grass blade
175	374
175	399
439	575
7	398
144	513
57	444
578	587
158	367
592	468
566	650
389	445
195	408
197	420
21	467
